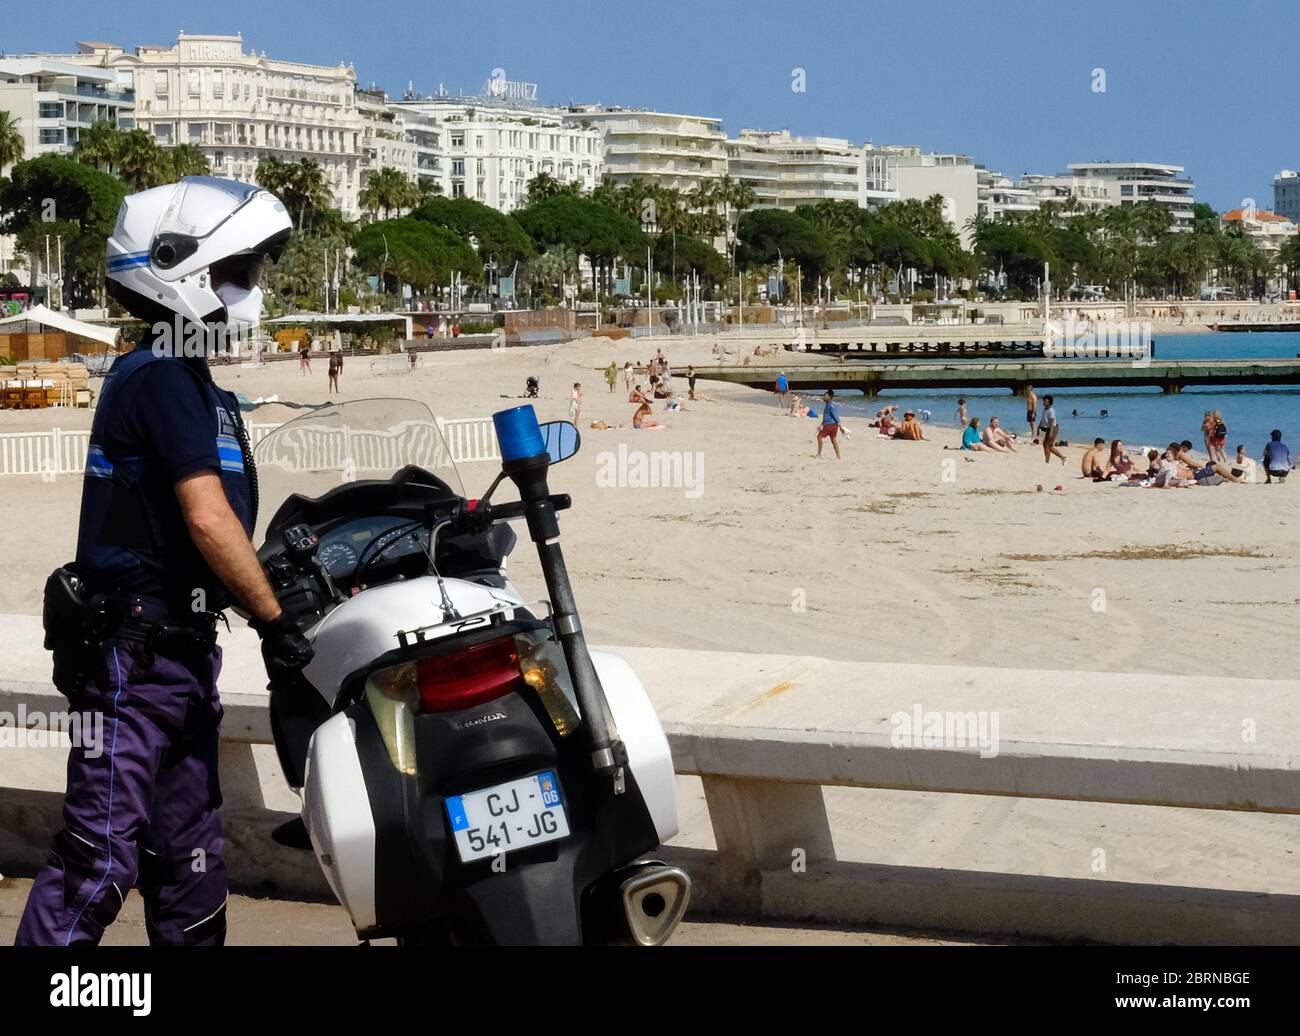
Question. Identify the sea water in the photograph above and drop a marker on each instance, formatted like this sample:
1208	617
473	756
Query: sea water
1140	416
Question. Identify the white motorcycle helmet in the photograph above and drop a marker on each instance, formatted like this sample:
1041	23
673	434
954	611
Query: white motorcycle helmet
194	250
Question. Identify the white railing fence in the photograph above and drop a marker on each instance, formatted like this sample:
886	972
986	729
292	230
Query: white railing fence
49	453
470	439
58	451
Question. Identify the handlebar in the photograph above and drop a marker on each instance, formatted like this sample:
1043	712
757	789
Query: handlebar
485	515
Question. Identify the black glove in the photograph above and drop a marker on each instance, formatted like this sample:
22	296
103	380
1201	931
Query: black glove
284	649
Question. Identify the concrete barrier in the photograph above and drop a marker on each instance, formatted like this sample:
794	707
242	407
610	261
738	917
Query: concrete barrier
774	731
769	732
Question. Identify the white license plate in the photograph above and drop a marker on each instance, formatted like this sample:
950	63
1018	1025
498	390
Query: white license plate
508	817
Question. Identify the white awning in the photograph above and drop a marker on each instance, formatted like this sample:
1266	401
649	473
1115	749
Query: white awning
49	318
344	318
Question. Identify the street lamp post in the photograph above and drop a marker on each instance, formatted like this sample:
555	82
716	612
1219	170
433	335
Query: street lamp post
650	228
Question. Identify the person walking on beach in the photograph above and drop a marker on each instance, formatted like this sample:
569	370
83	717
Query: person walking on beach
1049	430
575	403
690	383
627	375
1031	408
830	426
611	375
963	418
783	390
335	369
304	359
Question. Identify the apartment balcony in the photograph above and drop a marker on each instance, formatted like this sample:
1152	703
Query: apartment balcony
813	194
700	166
1166	199
666	150
1183	187
680	129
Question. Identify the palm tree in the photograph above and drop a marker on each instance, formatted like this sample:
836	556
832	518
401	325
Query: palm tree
310	189
552	268
99	146
544	185
12	145
300	185
187	160
141	162
389	190
736	198
1288	258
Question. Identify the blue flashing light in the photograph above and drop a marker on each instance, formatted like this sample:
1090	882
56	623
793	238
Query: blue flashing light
518	433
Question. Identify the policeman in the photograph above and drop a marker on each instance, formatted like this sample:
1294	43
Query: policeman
168	507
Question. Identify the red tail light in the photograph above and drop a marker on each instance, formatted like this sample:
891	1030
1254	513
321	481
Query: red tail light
470	677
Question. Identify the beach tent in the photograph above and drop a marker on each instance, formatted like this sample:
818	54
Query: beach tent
59	322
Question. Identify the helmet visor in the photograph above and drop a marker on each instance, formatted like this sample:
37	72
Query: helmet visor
244	270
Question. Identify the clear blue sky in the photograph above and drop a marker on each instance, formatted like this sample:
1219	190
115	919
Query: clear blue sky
1207	85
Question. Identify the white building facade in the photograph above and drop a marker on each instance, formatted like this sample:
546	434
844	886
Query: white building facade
385	143
920	175
1268	231
998	196
1082	193
53	101
489	147
1130	183
1286	195
677	151
240	108
786	171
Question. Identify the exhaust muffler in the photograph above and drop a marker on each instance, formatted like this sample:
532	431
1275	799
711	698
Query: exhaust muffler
650	900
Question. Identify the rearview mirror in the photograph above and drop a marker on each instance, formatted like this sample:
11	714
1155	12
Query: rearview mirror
562	440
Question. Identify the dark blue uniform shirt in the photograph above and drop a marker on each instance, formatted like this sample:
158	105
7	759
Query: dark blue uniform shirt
159	420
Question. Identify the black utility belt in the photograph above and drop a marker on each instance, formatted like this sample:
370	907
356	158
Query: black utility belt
169	640
74	616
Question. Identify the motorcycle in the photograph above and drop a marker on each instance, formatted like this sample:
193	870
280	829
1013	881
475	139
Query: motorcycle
470	772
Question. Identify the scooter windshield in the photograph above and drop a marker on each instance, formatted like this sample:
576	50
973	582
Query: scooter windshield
347	442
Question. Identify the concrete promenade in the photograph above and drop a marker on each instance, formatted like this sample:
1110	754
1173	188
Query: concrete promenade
1104	806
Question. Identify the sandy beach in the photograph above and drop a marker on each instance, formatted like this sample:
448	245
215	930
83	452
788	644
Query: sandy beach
901	552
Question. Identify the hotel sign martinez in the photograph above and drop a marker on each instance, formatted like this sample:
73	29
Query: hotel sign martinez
502	89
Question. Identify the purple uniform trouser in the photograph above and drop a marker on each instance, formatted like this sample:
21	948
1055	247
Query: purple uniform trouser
140	809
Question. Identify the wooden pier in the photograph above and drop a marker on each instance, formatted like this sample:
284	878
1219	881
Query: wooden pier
1283	326
872	378
872	340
